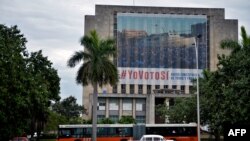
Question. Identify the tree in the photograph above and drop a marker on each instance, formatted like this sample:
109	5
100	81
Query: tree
27	85
54	119
45	83
226	92
97	68
12	78
68	108
186	108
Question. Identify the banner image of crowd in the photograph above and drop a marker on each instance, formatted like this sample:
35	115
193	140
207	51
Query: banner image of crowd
160	48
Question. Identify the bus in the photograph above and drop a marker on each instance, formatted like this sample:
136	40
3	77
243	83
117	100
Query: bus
105	132
176	132
127	132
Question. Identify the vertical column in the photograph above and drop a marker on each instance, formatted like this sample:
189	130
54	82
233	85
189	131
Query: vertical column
134	108
107	108
136	88
118	88
150	109
144	89
120	108
127	89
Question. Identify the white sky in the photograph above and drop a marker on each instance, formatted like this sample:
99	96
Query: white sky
55	26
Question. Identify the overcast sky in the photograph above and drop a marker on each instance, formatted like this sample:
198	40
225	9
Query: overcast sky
55	26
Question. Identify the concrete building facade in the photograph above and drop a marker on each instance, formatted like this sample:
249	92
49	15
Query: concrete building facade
156	55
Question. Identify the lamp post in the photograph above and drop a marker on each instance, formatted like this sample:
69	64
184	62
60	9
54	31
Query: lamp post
197	83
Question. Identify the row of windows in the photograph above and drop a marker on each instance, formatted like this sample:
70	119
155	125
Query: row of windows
127	104
101	132
115	118
149	88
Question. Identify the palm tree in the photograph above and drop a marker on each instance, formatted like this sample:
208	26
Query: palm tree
97	68
234	45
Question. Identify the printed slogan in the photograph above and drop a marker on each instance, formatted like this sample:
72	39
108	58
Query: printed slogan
158	76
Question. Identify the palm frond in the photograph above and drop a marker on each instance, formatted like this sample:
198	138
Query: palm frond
75	59
245	38
87	42
83	74
108	48
230	44
97	67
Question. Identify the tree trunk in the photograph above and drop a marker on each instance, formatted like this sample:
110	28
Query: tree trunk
94	113
217	135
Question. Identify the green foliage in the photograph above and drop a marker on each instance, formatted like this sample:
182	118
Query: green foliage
161	110
86	121
27	85
127	120
225	93
54	119
68	108
97	69
183	110
105	121
66	111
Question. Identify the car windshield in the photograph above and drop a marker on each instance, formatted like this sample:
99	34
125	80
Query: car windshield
153	139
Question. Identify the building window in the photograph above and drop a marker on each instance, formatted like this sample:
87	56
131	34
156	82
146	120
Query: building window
113	104
114	118
165	86
140	119
127	105
157	87
182	89
101	104
115	89
140	105
123	88
174	87
148	89
140	87
132	89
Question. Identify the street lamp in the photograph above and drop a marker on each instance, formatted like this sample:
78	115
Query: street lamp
197	79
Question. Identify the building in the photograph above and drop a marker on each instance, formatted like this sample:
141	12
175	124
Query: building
156	55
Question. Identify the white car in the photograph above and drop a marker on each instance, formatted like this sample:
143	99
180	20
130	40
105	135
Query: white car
153	138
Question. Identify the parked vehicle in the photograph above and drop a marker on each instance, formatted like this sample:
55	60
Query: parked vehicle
152	138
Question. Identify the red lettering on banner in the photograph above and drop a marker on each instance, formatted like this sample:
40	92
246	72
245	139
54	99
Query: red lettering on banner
157	75
135	75
163	75
130	74
146	75
140	74
151	74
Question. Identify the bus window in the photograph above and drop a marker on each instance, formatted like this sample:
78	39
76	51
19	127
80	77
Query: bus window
102	131
64	133
87	132
77	132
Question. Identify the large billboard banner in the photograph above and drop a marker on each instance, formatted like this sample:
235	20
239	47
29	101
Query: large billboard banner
160	49
157	76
